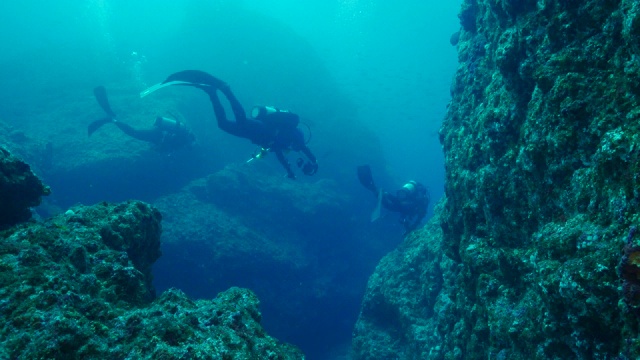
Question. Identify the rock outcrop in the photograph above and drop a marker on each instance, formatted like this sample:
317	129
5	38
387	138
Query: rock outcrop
78	286
297	244
20	190
538	244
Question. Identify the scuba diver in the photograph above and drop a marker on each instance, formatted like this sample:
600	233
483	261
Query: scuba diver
166	134
273	129
411	201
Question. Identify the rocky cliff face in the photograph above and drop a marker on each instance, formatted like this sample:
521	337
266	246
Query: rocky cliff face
79	286
20	190
538	252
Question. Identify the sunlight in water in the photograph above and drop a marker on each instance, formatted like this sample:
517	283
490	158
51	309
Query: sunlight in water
102	11
353	14
137	64
99	9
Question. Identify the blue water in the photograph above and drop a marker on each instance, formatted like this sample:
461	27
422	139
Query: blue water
371	78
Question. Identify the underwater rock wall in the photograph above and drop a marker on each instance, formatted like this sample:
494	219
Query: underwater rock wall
405	301
297	245
20	189
79	286
542	172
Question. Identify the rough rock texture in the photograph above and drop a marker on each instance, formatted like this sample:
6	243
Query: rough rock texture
540	252
399	312
20	189
296	244
78	286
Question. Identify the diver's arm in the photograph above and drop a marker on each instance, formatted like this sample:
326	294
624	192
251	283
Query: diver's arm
390	202
307	152
285	164
311	167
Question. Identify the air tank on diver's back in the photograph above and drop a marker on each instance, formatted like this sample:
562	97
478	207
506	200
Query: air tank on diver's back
170	125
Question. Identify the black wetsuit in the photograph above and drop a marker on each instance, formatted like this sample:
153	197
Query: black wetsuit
162	139
411	204
411	201
165	134
275	137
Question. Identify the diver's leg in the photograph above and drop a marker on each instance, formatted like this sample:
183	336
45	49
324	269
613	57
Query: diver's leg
152	135
97	124
236	107
221	117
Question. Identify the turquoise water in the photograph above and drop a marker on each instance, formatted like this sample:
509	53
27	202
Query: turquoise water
393	61
370	78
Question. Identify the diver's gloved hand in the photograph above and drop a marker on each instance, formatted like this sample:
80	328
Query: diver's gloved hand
291	175
310	168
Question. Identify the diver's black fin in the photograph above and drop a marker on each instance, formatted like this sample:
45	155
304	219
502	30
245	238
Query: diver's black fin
366	179
195	77
97	124
375	214
101	95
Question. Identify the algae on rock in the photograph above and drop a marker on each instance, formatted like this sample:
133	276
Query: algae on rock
542	191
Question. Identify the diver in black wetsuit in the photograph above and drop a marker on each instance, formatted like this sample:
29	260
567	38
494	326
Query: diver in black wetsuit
411	201
270	128
165	134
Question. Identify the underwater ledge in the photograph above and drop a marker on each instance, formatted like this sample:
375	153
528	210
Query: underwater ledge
79	285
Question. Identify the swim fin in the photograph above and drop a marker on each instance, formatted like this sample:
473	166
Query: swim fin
101	95
366	179
375	215
97	124
195	78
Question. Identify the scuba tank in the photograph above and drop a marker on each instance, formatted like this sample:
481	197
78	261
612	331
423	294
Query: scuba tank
170	125
274	116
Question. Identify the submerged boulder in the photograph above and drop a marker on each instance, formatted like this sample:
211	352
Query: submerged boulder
20	189
79	286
